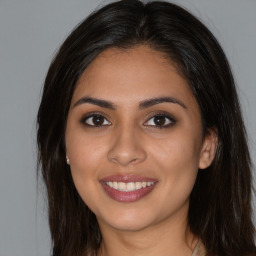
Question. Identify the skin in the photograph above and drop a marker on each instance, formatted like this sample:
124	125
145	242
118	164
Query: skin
131	142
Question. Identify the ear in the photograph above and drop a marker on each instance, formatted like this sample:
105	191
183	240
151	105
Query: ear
208	149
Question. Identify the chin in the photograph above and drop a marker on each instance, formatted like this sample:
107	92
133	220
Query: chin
127	221
129	226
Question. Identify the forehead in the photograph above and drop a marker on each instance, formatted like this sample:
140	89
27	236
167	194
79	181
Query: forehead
136	73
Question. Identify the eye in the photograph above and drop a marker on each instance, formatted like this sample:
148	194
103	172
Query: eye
95	120
160	121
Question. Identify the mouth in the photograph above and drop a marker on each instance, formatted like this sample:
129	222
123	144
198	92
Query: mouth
128	188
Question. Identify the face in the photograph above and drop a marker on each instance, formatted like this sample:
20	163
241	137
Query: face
134	139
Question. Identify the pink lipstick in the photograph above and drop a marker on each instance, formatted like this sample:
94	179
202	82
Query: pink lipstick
127	188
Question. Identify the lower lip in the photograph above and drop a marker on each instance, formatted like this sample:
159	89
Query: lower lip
131	196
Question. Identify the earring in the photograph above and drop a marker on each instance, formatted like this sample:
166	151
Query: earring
67	160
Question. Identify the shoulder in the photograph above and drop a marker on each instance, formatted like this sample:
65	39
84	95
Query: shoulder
199	249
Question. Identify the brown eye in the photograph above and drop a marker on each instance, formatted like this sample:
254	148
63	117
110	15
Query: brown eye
96	120
160	121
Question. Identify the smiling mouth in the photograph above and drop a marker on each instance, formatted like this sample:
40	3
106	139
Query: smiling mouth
130	186
127	188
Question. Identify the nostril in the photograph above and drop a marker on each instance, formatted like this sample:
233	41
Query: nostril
123	160
126	158
126	149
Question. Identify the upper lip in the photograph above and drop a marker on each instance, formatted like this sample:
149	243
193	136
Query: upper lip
127	178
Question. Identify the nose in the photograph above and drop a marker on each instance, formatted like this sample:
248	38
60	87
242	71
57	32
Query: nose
126	148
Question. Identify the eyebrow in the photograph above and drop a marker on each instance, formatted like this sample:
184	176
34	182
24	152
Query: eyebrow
144	104
94	101
155	101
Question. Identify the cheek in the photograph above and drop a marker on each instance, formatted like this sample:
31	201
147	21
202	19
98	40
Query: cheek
82	147
180	148
85	163
178	165
177	157
85	154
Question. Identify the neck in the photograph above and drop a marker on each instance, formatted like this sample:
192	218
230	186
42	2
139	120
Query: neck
169	237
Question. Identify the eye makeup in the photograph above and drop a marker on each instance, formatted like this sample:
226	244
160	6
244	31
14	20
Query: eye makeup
95	120
159	119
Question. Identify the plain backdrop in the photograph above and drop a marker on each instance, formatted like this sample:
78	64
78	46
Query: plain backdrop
30	33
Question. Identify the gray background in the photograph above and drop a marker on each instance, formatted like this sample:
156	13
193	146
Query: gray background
30	32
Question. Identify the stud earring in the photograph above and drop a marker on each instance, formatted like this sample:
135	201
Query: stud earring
67	160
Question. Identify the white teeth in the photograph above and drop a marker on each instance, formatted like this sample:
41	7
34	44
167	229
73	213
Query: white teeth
130	186
115	185
121	186
138	185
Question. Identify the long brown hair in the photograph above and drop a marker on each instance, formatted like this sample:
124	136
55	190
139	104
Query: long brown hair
220	210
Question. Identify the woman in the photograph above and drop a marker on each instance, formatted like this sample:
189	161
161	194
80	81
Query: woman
141	139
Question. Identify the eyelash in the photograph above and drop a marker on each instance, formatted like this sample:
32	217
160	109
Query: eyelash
167	116
91	115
